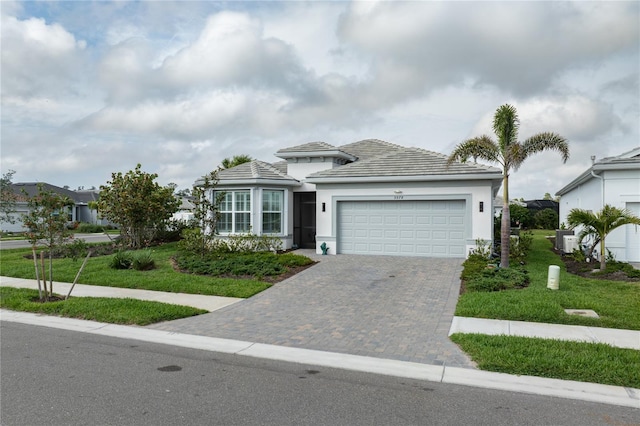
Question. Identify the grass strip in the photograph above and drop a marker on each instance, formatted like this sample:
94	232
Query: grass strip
584	362
162	278
617	303
115	311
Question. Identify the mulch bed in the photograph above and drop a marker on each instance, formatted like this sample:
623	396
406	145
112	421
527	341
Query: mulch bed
586	269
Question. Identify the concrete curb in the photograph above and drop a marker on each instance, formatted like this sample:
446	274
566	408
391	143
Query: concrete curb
613	395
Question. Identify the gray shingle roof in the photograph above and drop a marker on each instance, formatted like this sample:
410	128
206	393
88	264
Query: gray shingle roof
253	170
627	161
32	188
404	162
308	147
369	148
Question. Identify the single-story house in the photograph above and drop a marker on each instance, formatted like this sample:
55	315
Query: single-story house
185	210
81	212
366	197
614	181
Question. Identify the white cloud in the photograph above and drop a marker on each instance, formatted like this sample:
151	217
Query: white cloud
37	57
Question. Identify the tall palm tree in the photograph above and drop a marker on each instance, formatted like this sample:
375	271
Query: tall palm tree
510	154
600	224
228	163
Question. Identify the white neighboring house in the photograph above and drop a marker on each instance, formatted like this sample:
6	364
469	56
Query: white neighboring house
614	181
367	197
185	210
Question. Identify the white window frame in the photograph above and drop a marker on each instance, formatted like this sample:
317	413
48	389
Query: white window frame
235	211
281	210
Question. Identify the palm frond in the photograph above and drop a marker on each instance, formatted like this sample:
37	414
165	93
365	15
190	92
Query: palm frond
482	147
546	141
506	125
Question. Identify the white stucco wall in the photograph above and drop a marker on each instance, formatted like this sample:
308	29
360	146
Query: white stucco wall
481	224
300	168
621	190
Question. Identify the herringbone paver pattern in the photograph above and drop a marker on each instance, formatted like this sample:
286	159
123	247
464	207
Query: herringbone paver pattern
381	306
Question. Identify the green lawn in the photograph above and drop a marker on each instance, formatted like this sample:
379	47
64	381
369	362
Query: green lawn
163	278
117	311
584	362
617	303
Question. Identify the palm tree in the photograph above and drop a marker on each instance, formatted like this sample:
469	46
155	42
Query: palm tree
228	163
510	154
600	224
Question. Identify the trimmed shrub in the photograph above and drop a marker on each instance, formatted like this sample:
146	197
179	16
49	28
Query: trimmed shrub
498	280
143	261
121	260
89	228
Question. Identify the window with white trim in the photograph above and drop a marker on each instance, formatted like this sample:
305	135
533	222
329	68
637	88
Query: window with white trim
235	212
272	209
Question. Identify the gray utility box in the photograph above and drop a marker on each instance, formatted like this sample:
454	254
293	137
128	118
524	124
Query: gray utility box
560	233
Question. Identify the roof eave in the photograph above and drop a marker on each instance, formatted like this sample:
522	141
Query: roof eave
252	182
415	178
316	154
598	167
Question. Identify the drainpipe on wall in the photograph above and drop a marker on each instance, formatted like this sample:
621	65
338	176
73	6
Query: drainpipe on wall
593	162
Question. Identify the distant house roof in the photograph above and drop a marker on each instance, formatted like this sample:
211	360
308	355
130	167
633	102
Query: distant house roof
30	189
629	160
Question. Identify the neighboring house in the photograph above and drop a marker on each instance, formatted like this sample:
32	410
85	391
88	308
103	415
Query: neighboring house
367	197
614	181
185	210
79	213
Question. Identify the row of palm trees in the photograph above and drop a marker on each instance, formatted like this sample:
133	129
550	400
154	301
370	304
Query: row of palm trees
507	151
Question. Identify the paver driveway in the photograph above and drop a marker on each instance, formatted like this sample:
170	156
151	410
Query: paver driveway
381	306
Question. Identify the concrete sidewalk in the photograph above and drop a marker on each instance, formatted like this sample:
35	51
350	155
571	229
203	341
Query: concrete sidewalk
628	339
209	303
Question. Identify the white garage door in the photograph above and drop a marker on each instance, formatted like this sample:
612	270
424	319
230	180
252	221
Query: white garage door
402	228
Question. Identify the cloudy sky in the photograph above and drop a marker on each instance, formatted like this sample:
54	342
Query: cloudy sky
91	88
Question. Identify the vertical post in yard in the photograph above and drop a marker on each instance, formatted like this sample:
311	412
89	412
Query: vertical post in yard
553	280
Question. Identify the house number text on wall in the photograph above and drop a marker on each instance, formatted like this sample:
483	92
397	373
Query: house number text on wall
398	197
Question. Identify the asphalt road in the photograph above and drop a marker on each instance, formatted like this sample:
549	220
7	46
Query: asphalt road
90	238
54	377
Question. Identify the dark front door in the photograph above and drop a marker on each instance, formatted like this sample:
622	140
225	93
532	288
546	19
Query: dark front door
304	219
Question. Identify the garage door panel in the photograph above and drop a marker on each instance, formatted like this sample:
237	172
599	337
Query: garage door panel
410	228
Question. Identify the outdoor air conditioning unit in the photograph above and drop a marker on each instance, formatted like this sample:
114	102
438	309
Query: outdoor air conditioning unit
569	243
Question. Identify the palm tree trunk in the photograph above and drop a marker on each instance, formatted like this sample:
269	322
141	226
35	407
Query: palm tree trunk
603	260
505	225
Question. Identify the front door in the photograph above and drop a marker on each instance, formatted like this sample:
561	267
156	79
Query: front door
304	219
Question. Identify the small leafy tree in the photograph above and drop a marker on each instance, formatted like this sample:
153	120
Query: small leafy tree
137	204
8	198
546	219
47	224
520	215
599	225
205	215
